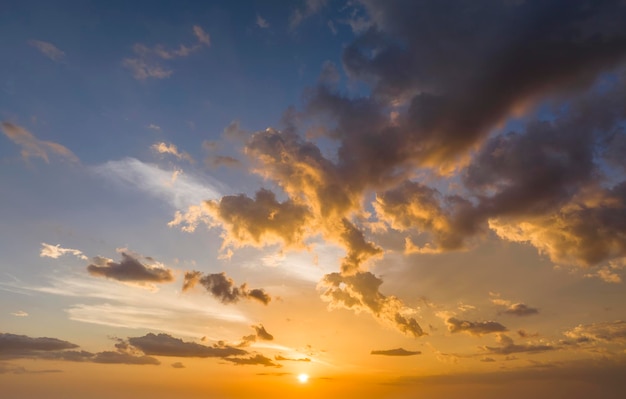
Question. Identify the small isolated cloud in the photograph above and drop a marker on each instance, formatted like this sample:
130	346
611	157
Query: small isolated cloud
520	309
395	352
215	161
508	347
130	269
171	149
55	251
224	288
147	61
257	360
262	22
477	328
178	365
19	313
152	126
48	49
166	345
33	147
260	333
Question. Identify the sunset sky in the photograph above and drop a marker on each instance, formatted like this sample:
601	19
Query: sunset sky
312	198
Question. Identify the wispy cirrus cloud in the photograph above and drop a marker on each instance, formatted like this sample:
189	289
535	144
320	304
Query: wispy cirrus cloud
182	192
32	147
48	49
147	60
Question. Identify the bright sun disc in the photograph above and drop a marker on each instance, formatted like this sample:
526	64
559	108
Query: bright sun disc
303	378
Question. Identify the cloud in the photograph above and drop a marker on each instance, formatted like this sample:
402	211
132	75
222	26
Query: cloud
395	352
224	289
19	313
146	63
257	360
222	160
166	345
12	344
23	347
602	332
33	147
181	193
178	365
520	309
262	22
201	35
260	333
311	7
360	292
130	269
289	359
164	148
477	328
507	347
48	49
55	251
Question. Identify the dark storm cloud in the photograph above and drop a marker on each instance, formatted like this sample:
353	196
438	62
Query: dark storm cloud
166	345
395	352
223	288
474	327
130	269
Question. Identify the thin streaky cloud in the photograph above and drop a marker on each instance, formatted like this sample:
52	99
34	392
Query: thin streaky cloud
32	147
56	251
48	49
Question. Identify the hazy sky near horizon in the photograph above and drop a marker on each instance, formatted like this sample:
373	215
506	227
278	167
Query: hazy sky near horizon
395	198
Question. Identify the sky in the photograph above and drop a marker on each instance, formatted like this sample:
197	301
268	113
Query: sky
313	198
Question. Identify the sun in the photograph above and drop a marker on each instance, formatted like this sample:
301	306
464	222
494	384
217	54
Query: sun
303	378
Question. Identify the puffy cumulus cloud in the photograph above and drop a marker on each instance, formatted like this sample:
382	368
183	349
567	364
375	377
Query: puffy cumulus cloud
32	147
477	328
14	346
171	149
146	62
166	345
130	269
256	360
395	352
508	347
607	332
48	49
56	251
225	290
360	292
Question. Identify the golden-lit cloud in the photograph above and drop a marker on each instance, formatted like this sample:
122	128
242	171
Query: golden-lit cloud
56	251
224	289
508	347
360	292
32	147
131	269
171	149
